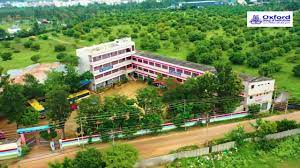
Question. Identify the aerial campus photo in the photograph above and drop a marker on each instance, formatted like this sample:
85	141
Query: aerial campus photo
149	84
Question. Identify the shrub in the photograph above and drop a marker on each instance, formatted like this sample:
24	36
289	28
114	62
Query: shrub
35	47
285	125
254	109
238	135
185	148
121	155
44	37
89	158
269	69
296	70
25	150
27	44
60	56
264	128
35	58
6	56
59	48
47	136
6	44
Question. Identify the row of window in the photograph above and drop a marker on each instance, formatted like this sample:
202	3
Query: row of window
252	86
113	71
112	54
110	64
158	65
152	72
266	93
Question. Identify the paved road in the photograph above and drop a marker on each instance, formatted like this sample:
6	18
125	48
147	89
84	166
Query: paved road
150	146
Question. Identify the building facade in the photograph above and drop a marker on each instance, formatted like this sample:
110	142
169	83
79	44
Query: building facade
258	91
112	61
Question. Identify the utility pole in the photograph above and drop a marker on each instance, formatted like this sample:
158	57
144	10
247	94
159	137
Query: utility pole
286	106
81	131
207	116
184	114
273	101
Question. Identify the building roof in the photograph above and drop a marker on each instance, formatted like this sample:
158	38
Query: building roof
248	78
104	47
187	64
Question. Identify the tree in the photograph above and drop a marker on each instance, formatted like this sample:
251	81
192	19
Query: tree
89	158
12	93
35	58
296	70
195	36
69	60
149	100
121	156
254	61
58	107
237	58
32	87
28	117
3	34
153	122
59	48
181	113
229	88
6	56
269	69
60	56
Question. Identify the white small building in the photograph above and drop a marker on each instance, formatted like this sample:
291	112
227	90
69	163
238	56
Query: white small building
258	90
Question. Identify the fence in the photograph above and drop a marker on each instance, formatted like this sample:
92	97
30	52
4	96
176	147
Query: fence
8	151
166	127
204	151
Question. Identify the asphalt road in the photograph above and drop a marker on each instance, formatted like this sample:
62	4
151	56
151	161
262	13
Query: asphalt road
149	146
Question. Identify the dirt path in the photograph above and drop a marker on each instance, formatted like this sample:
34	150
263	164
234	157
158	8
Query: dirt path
152	146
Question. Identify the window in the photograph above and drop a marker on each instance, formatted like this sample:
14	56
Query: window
121	60
157	65
151	63
179	70
134	66
251	97
151	72
115	62
171	69
140	68
264	106
145	62
115	70
123	68
134	59
194	75
129	66
114	53
128	58
187	72
146	70
132	48
99	76
139	60
164	67
252	86
128	50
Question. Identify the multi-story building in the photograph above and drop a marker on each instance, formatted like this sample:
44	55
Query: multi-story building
112	61
258	90
108	62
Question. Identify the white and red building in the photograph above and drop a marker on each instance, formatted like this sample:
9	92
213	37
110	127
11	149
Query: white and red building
112	61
